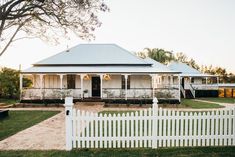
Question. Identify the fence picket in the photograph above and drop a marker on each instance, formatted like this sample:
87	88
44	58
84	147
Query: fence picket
221	123
208	128
181	127
92	129
199	128
101	130
132	130
118	130
141	126
225	129
177	129
87	124
128	129
186	129
195	128
109	131
78	129
96	130
164	128
123	131
83	127
212	128
74	133
114	130
105	131
230	127
216	127
169	128
173	128
203	128
136	130
190	135
145	128
160	127
150	127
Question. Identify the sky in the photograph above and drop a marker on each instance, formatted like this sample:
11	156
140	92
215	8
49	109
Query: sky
202	29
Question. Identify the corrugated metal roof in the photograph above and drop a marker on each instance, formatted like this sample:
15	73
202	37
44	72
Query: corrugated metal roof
158	65
93	54
96	69
186	70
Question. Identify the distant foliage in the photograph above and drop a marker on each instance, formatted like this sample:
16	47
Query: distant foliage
9	83
165	57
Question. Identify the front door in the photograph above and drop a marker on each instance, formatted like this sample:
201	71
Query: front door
95	86
182	83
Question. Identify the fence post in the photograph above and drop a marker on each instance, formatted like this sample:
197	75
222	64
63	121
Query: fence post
154	122
68	122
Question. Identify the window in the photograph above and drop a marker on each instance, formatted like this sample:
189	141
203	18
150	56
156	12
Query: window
71	81
192	80
123	82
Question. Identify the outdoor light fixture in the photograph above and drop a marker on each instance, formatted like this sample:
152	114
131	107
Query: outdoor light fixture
86	77
107	77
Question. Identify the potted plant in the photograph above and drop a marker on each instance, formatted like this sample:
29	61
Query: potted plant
85	93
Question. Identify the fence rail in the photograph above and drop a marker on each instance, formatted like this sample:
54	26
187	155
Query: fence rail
154	127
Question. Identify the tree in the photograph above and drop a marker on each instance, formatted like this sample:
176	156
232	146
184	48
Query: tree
159	55
48	19
9	83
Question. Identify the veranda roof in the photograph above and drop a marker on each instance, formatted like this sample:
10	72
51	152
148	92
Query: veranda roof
187	70
157	64
96	69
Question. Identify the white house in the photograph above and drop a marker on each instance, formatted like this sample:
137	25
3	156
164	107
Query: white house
100	71
193	83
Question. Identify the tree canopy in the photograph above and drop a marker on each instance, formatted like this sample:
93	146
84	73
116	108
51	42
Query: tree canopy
9	83
157	54
48	19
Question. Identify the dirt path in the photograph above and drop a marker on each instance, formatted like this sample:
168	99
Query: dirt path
226	105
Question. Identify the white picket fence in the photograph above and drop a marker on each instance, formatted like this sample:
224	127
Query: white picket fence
154	127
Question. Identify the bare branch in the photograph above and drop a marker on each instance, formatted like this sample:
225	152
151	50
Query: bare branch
11	39
50	19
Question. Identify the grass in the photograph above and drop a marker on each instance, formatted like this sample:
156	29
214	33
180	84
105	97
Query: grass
198	105
8	101
20	120
220	100
161	152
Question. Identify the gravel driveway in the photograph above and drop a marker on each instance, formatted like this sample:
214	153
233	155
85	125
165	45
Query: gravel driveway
50	133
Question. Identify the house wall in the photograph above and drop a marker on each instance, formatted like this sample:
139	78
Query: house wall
197	80
50	81
114	82
140	81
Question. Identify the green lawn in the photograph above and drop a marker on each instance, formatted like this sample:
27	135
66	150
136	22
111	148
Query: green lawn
222	100
162	152
8	101
20	120
198	105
